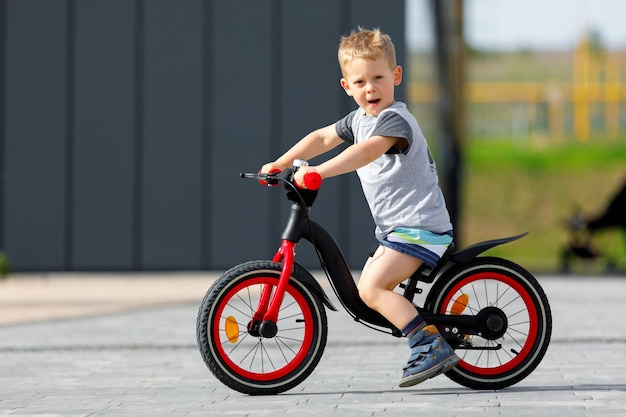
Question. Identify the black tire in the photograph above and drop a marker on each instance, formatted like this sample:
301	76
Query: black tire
252	364
495	282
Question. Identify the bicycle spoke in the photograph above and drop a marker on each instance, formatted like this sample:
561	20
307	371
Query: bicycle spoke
283	318
290	329
476	297
284	307
499	297
269	358
510	302
521	311
282	341
237	310
280	349
225	342
493	292
486	292
246	303
252	351
515	339
497	300
496	353
519	323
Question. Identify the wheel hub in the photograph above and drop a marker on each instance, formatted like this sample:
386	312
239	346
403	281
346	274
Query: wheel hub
493	323
268	329
253	328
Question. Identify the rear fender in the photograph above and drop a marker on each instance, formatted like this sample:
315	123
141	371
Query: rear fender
466	255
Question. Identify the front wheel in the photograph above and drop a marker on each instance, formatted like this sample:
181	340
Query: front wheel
520	314
237	354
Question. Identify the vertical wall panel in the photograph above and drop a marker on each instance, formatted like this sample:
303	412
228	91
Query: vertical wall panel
103	135
311	92
172	135
242	88
3	24
34	177
128	122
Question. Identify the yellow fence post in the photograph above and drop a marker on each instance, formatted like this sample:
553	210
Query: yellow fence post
554	98
580	91
611	97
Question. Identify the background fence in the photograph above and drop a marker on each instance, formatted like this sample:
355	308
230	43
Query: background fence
552	96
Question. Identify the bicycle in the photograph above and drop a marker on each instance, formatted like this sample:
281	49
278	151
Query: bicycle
262	326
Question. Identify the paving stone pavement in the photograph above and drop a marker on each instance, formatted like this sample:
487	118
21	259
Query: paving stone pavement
141	360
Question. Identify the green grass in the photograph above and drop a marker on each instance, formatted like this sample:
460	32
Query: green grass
508	189
529	182
495	154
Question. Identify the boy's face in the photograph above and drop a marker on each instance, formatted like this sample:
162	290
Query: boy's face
371	83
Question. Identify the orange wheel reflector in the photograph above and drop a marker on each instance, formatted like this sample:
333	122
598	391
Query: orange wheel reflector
232	329
460	304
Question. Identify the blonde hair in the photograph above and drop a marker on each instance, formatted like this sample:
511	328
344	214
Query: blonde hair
366	44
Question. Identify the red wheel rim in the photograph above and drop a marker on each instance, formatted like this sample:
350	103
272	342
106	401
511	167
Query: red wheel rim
532	318
219	337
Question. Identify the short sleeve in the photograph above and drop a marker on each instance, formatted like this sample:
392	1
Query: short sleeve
392	124
343	127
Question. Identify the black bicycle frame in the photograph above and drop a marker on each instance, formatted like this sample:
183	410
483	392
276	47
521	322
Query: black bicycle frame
299	226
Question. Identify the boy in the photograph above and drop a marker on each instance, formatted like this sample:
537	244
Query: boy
399	179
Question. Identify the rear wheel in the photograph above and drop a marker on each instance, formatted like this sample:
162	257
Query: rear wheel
231	345
518	328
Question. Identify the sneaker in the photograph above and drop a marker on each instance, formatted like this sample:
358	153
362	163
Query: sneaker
430	356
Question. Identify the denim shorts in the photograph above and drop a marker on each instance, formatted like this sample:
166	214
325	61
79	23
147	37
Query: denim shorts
421	244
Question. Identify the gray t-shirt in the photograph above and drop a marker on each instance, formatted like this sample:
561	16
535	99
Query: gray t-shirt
402	186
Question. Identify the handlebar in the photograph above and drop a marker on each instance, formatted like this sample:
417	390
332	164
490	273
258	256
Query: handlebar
312	180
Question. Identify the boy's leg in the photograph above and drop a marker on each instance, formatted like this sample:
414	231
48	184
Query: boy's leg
381	274
430	354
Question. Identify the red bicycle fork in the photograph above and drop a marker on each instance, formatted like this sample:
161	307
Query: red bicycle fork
272	295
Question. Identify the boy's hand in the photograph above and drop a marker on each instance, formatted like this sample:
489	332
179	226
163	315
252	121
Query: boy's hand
270	168
299	176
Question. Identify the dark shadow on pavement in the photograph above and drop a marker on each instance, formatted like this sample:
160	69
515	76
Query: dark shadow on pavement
466	391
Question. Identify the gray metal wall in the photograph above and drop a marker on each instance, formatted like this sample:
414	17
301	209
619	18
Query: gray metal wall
124	125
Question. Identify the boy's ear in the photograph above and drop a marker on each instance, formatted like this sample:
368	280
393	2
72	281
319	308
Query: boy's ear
397	75
346	86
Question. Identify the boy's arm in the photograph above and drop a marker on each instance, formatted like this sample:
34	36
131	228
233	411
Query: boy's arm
356	156
352	158
315	143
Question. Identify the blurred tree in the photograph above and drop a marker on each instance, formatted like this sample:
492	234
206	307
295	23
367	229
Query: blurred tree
596	44
450	51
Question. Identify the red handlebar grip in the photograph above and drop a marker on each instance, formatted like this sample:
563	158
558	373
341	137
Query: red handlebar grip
312	180
272	171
